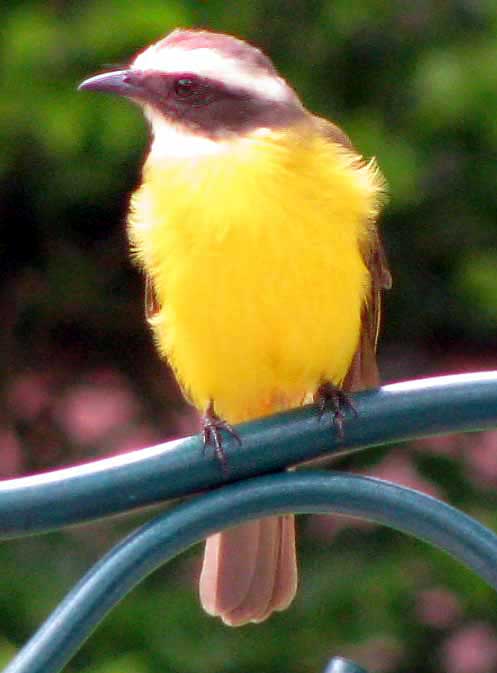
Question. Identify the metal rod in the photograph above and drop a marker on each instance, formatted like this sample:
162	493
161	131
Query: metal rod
176	530
394	413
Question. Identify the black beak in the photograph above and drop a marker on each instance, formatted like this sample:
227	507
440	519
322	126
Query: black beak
126	83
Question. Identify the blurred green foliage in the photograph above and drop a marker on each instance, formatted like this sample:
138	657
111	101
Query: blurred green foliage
414	84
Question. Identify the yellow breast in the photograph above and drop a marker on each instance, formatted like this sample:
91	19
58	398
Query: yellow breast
254	255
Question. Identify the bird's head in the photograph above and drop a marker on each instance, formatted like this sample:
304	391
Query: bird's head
205	84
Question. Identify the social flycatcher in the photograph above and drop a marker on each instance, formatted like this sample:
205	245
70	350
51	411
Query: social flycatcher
255	227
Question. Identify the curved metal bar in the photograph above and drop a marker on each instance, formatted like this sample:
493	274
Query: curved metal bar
394	413
170	533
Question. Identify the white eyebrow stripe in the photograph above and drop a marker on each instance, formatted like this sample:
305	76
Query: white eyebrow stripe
207	62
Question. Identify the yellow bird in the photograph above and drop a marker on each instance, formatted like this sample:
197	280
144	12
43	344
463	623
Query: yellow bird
255	227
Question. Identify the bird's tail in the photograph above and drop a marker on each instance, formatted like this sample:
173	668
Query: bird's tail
250	571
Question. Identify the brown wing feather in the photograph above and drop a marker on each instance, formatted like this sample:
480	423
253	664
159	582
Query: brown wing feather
152	306
363	371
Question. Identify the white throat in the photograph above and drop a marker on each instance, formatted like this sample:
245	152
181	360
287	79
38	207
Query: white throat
171	141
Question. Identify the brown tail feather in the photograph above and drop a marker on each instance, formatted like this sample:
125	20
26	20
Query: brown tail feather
250	571
285	586
226	573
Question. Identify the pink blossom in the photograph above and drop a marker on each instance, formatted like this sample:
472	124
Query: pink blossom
437	607
28	394
142	435
10	453
88	413
137	437
470	649
481	458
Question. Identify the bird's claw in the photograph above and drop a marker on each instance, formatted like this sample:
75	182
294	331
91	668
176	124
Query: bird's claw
330	398
212	433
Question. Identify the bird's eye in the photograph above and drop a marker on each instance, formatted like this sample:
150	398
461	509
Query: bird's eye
184	87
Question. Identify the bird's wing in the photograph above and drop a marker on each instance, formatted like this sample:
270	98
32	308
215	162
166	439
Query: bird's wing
363	371
152	306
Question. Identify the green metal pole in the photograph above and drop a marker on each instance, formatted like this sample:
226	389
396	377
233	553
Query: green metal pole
176	530
395	413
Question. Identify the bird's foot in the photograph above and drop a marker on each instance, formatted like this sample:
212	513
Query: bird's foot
212	433
330	398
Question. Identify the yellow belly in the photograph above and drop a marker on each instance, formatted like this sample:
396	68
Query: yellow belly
254	256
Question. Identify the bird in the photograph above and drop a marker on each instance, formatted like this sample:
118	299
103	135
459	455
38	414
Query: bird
255	225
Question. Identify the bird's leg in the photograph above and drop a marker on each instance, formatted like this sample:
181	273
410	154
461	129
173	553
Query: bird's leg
329	397
212	427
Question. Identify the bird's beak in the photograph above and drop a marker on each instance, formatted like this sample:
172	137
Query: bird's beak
126	83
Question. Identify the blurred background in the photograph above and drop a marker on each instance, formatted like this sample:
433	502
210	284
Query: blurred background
414	84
